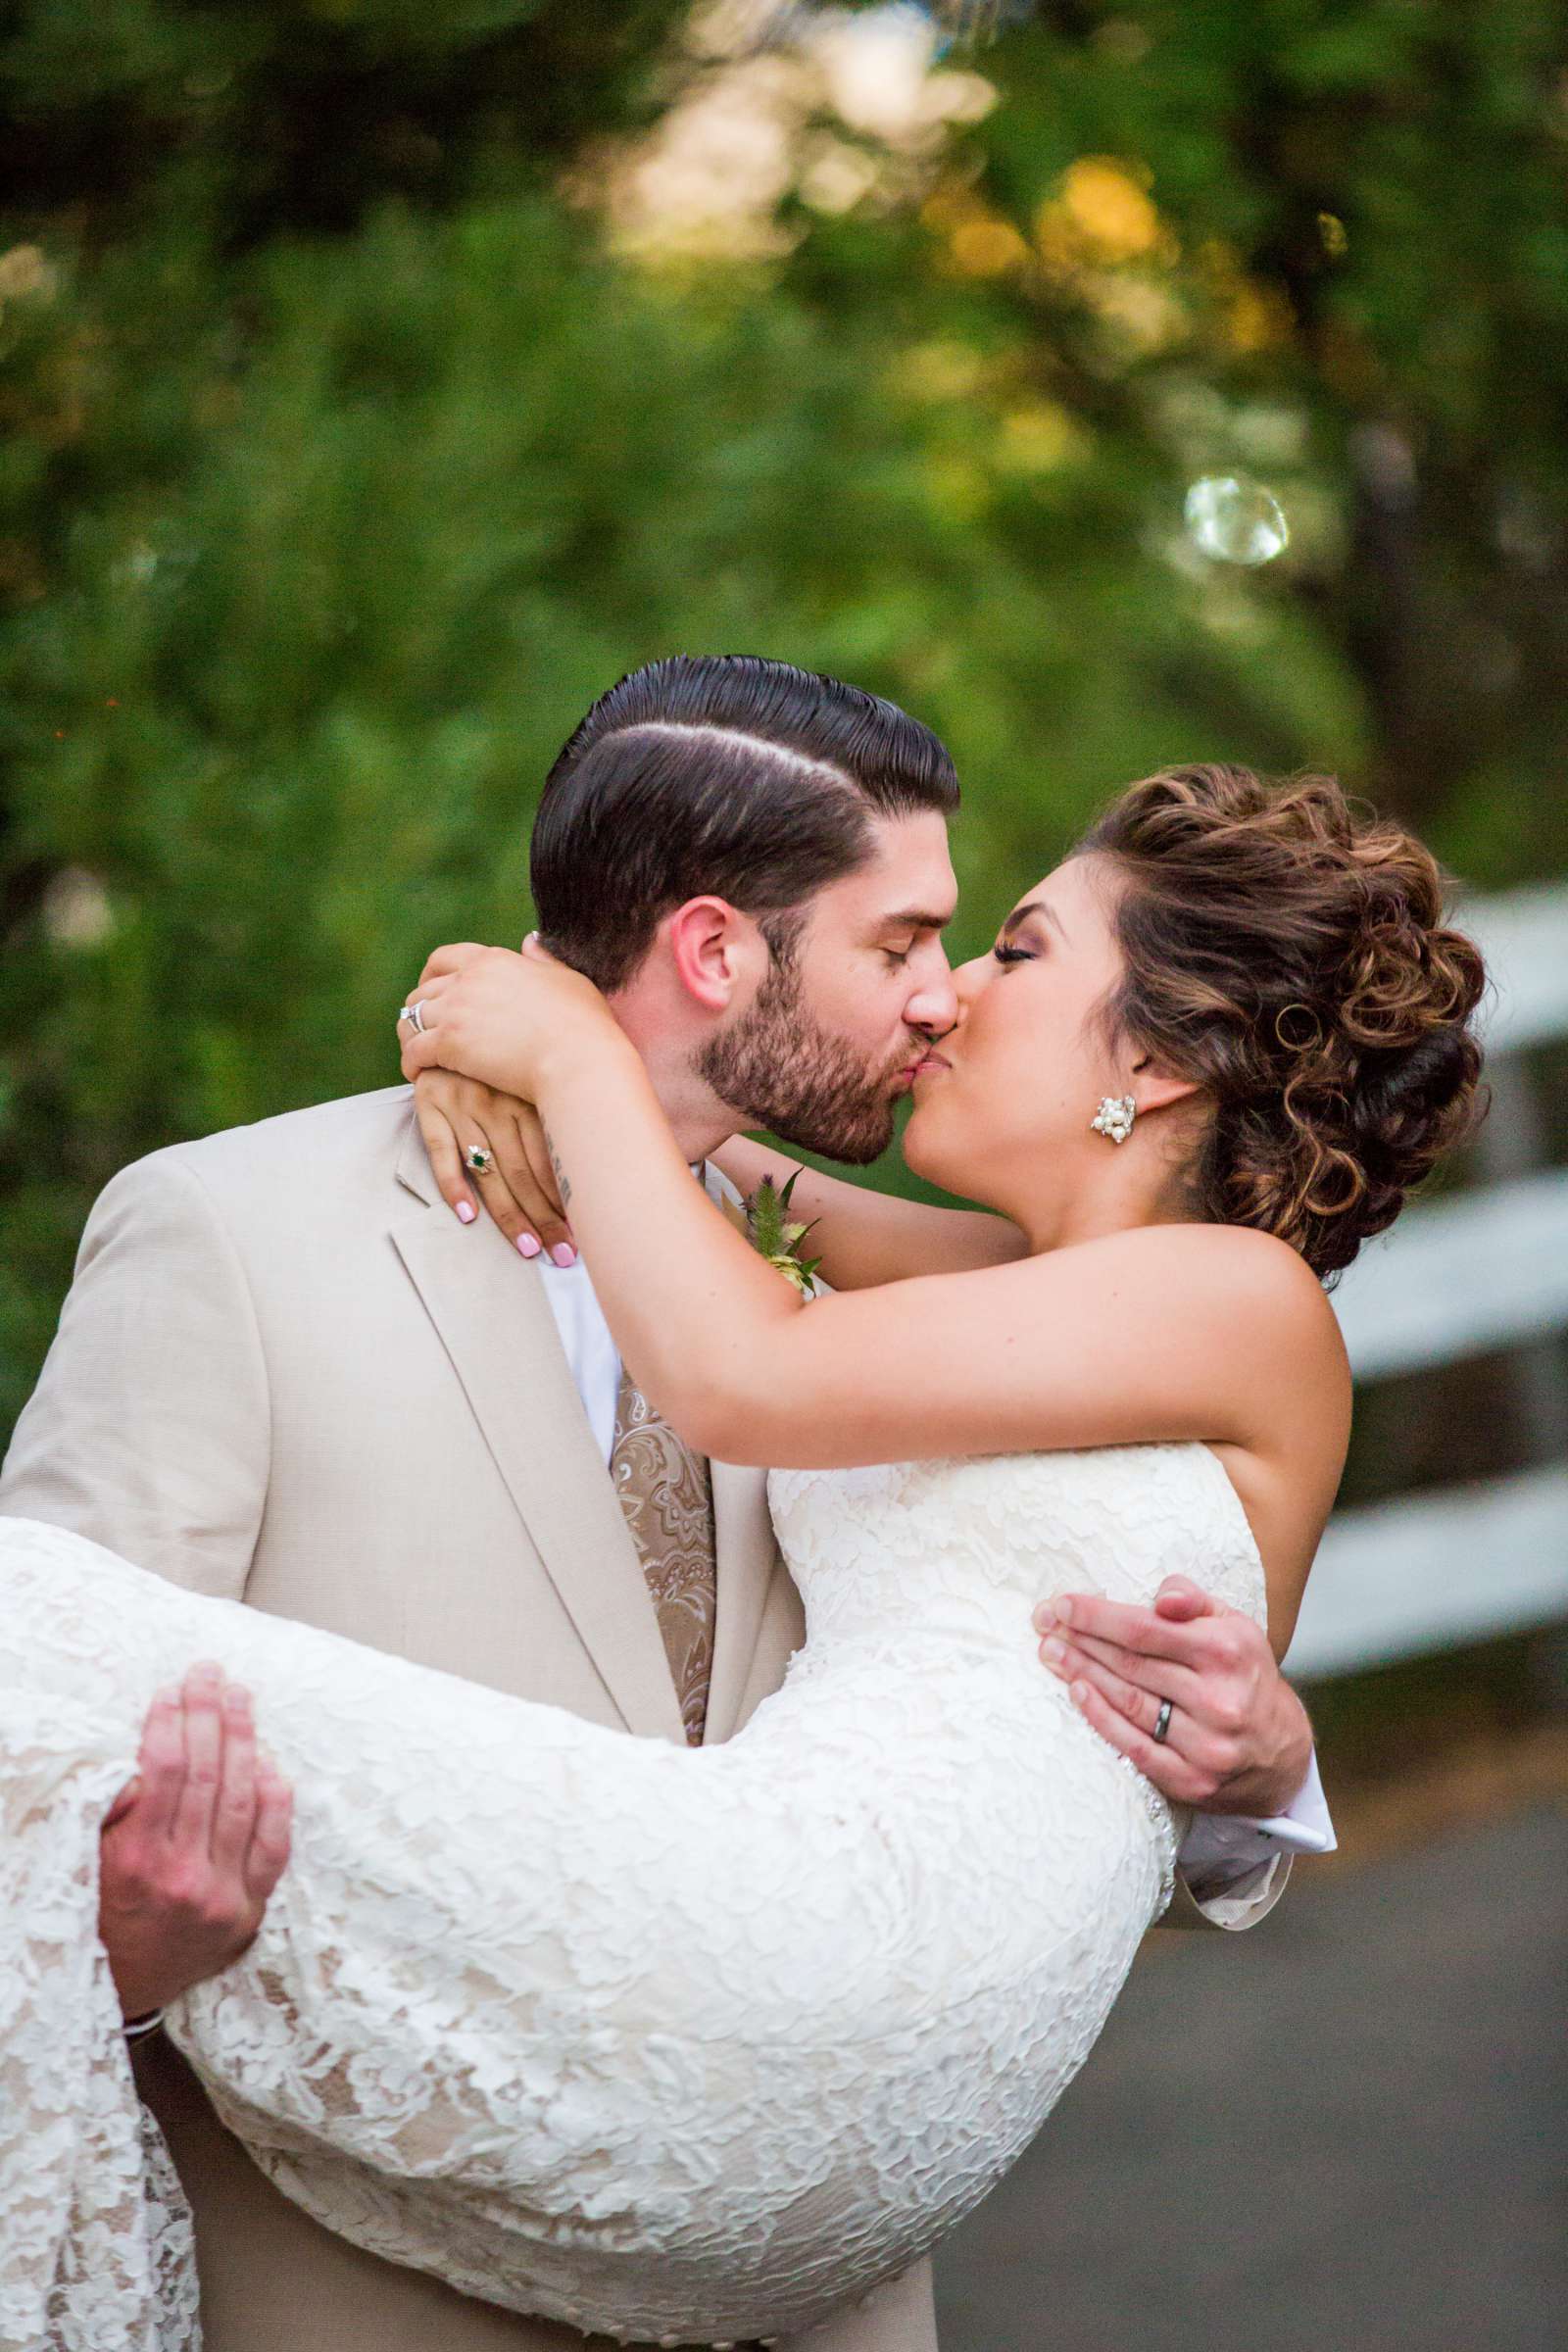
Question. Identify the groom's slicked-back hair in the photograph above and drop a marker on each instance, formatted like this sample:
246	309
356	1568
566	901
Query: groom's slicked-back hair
718	773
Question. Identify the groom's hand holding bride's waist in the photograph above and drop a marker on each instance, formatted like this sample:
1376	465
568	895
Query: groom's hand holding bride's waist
1189	1691
192	1847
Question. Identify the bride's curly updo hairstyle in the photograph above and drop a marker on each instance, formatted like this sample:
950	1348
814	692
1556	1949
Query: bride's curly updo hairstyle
1290	955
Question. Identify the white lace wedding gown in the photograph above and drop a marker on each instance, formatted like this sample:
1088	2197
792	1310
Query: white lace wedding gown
669	2043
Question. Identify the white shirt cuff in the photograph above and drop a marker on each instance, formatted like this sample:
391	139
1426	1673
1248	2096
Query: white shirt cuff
1220	1849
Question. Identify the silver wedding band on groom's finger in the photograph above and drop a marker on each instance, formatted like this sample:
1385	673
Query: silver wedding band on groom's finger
1162	1722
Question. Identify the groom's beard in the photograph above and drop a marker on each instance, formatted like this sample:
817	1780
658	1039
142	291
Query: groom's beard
787	1073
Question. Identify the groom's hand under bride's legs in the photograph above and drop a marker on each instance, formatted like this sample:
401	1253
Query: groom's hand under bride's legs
192	1847
1237	1739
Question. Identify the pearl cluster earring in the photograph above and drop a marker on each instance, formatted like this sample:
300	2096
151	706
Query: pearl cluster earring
1114	1117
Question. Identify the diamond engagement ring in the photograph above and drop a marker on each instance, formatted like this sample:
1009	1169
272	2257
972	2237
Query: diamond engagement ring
478	1159
1162	1721
413	1015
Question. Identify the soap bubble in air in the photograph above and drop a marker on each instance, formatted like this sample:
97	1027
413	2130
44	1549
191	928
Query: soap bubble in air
1235	520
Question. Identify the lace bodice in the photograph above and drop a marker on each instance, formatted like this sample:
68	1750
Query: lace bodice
691	2044
955	1546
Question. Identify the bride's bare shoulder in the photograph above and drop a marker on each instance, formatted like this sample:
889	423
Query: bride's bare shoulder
1231	1275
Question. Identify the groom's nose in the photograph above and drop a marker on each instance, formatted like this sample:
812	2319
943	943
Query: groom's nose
934	1004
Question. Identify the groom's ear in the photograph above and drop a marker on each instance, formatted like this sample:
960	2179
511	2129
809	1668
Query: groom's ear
718	955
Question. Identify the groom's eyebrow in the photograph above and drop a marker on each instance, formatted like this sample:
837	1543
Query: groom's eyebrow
914	918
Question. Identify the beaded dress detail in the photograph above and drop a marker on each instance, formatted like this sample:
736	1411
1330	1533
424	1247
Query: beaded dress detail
695	2043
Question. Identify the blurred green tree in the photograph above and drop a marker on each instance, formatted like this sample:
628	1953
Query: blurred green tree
1358	213
375	389
291	115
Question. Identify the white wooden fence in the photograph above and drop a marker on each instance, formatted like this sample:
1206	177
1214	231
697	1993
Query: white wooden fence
1484	1270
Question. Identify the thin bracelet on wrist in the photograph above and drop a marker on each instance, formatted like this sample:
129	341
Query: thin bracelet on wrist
137	2028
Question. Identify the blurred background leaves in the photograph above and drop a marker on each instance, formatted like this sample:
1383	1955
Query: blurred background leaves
377	382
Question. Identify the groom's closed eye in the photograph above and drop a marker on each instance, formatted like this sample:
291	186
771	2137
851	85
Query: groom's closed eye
904	932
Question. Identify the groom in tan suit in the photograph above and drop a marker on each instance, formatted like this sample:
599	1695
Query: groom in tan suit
287	1373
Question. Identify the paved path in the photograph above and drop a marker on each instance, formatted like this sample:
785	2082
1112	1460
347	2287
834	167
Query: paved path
1346	2130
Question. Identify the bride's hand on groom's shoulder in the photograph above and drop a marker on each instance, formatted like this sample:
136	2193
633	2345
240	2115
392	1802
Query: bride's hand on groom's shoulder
194	1847
487	1150
1235	1737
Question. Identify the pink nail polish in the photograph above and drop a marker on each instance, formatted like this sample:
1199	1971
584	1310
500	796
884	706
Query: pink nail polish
563	1255
527	1245
467	1212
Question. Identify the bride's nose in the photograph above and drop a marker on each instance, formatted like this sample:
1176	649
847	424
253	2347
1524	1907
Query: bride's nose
969	979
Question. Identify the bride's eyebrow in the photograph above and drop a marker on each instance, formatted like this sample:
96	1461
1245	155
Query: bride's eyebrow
1040	907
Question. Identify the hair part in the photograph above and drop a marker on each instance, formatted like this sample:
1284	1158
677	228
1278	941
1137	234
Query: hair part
1290	956
727	776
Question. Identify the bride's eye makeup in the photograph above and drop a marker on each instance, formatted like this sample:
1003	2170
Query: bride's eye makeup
1005	954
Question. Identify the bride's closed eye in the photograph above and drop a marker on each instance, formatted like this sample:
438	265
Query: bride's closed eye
1006	954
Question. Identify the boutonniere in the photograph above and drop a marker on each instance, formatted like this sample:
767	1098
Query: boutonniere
763	1216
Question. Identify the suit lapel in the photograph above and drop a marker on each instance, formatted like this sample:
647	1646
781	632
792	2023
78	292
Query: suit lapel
496	1327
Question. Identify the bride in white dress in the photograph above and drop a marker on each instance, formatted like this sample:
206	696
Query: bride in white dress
693	2044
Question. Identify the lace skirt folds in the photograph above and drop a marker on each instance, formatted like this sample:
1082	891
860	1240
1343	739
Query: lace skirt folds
661	2044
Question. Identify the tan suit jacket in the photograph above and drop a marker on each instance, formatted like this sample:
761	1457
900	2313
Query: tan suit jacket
286	1373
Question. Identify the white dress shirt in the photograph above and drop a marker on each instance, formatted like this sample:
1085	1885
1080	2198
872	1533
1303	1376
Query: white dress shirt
1223	1856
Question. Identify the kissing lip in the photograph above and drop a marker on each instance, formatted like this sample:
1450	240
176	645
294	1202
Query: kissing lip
929	1063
